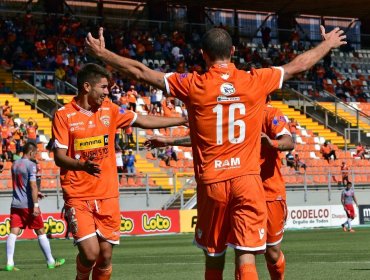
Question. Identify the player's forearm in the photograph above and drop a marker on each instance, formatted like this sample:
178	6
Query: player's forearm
177	141
158	122
285	143
34	192
306	60
132	68
68	163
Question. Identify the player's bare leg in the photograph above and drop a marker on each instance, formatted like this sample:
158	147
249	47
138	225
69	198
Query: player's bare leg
103	267
214	267
89	250
275	262
245	265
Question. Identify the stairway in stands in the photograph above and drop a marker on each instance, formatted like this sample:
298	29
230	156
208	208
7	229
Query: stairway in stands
310	124
348	117
24	111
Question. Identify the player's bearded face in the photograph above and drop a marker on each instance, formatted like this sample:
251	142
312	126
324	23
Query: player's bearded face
98	93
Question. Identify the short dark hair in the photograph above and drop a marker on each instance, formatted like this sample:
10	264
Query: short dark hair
29	147
217	43
91	73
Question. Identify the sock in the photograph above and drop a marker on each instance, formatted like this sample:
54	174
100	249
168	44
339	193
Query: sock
349	223
213	274
10	247
248	271
102	273
83	272
277	270
45	248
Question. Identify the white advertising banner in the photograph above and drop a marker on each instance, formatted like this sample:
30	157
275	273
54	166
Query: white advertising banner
317	216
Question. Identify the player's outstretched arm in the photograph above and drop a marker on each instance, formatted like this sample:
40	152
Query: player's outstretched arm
158	122
64	161
283	143
126	66
306	60
162	141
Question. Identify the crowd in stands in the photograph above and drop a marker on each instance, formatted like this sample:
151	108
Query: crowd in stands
30	43
25	45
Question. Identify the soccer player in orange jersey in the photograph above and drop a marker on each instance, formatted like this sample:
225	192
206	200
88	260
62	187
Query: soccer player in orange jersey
225	107
84	132
275	137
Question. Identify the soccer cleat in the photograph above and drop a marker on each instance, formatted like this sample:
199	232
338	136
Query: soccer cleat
344	227
58	262
11	268
352	230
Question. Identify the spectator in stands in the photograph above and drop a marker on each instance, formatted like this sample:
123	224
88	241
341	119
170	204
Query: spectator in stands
360	151
290	159
344	171
132	96
129	137
266	36
293	129
17	135
298	163
130	163
123	101
347	199
169	154
115	93
327	151
339	91
60	75
153	101
119	162
31	129
7	109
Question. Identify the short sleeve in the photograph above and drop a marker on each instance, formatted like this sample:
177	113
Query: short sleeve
32	171
124	117
178	85
269	78
60	131
279	125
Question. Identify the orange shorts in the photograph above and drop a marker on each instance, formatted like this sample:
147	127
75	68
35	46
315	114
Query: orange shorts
231	213
87	218
276	217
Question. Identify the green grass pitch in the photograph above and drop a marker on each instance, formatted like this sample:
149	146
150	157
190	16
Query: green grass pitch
321	254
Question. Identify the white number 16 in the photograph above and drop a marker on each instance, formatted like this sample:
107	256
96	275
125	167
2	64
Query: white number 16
231	123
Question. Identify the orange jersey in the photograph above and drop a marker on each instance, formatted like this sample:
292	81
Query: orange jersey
131	95
4	132
31	132
225	107
274	125
86	134
325	149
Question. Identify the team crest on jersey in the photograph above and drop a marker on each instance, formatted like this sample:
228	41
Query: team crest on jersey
105	120
275	121
227	89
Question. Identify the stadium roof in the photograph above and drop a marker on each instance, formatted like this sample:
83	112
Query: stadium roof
336	8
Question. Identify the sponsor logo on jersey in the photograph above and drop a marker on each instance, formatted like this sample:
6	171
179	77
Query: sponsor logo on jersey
122	110
275	121
91	124
227	163
227	89
71	114
227	99
282	119
105	120
91	143
261	231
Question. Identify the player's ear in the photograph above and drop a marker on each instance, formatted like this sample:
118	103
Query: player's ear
232	51
87	87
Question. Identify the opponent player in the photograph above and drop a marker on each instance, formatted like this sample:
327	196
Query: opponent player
275	138
225	107
347	198
25	209
84	133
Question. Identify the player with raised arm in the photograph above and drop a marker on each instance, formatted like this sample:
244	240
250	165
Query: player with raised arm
25	210
275	137
84	133
225	108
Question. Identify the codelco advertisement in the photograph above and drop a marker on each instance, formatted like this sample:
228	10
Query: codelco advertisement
132	223
317	216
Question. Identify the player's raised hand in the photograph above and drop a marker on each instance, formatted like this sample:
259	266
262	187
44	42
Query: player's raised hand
95	46
335	38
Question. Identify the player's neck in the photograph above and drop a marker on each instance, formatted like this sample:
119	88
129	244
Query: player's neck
84	104
217	62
